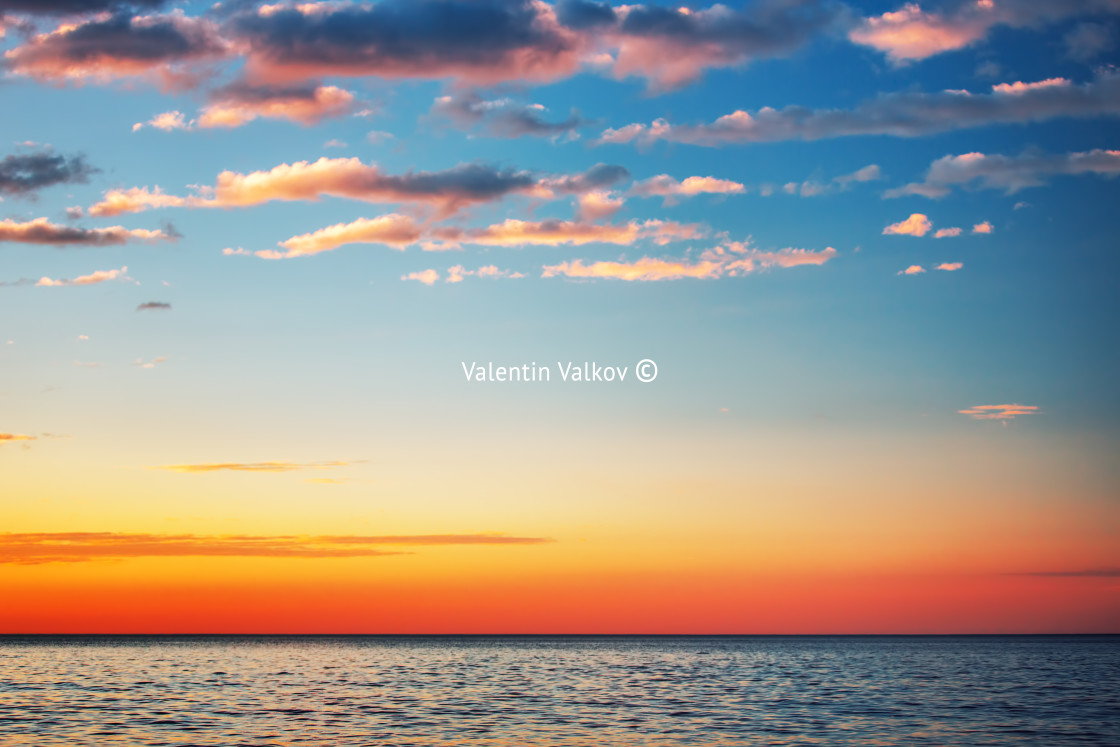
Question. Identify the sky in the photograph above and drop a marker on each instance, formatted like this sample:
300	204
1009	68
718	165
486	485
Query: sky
250	253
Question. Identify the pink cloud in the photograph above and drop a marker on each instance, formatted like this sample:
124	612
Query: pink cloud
999	412
427	277
731	260
916	225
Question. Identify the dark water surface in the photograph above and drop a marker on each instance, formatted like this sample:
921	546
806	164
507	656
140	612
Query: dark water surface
510	690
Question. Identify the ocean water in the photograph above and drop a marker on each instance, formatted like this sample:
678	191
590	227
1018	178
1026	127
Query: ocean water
232	691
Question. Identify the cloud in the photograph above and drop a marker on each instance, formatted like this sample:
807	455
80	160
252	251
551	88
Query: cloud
913	34
68	7
397	231
250	466
458	272
447	191
671	47
163	48
400	231
512	232
72	547
999	412
1086	41
733	259
134	200
984	227
481	42
666	186
427	277
7	438
173	120
947	232
916	225
1008	173
912	270
595	206
598	177
905	114
42	231
494	41
99	276
950	266
504	117
154	306
150	364
24	173
842	183
1082	573
239	103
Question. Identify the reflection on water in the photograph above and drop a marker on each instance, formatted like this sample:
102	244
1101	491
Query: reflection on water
649	691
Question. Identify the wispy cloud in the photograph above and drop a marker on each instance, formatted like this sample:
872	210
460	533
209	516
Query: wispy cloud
279	466
672	190
154	306
72	547
167	121
999	412
505	117
447	191
733	259
1082	573
98	276
456	274
905	114
1007	173
7	438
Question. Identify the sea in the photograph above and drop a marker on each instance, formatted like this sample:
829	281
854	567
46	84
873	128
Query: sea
578	691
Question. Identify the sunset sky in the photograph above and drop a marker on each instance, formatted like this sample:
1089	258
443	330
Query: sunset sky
247	249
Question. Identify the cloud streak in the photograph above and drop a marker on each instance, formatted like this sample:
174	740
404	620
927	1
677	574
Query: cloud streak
277	466
999	412
42	231
99	276
731	260
1007	173
446	191
73	547
905	114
